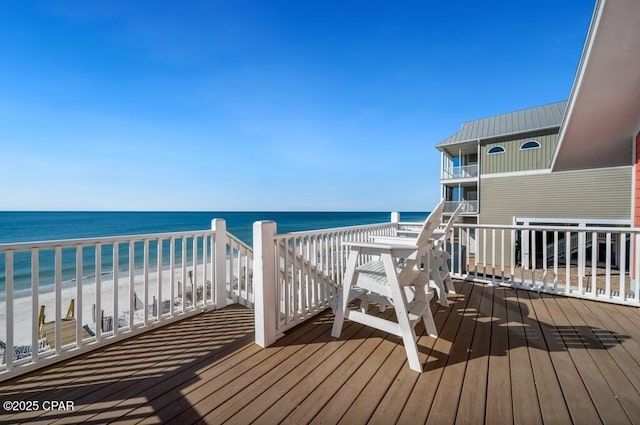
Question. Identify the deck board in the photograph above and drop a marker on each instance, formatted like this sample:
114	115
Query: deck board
579	404
276	385
611	368
630	349
471	408
390	407
293	396
68	332
499	407
526	408
502	356
604	399
553	408
344	398
418	405
444	406
351	353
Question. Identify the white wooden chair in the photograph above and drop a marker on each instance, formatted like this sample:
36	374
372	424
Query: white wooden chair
437	260
396	277
440	272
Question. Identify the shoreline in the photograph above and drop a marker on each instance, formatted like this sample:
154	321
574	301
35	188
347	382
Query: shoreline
51	287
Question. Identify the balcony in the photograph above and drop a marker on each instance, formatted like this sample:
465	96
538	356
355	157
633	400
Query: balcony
504	355
512	337
461	172
469	207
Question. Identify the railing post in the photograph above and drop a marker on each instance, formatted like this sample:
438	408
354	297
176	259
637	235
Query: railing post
219	227
636	259
264	282
395	218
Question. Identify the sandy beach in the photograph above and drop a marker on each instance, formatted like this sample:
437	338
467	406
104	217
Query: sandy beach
24	315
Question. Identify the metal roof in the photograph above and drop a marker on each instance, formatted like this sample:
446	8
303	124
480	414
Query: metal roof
540	117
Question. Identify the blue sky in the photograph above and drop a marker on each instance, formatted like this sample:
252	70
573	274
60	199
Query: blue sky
262	105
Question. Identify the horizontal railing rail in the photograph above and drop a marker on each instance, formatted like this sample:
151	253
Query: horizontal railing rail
461	172
63	298
469	207
300	272
600	263
240	271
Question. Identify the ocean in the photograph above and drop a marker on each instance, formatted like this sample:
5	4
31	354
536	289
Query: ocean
18	226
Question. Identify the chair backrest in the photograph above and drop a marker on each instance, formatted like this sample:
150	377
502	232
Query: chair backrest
446	230
430	224
412	263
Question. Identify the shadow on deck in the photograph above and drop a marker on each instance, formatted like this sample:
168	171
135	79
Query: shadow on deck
503	356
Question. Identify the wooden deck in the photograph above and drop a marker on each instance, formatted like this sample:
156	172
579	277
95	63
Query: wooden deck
503	356
68	331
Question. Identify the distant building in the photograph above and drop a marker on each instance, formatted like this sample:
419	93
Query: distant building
500	169
565	163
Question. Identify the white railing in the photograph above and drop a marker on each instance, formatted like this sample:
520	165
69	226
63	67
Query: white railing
533	257
460	172
469	207
239	274
68	297
298	274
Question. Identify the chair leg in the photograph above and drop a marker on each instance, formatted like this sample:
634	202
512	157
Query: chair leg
429	324
437	280
410	346
443	270
447	275
341	311
449	282
343	299
400	304
424	295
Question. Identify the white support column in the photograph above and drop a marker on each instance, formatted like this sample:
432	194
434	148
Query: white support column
266	305
395	217
219	227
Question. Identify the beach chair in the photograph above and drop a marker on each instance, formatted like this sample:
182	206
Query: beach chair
438	268
440	272
394	277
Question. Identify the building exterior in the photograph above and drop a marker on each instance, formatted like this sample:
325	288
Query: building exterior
601	127
499	168
567	163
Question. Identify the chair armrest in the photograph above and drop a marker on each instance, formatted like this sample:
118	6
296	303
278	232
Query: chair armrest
379	248
394	240
438	234
408	232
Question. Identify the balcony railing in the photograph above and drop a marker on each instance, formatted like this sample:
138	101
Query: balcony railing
144	281
461	172
468	207
298	274
597	263
62	298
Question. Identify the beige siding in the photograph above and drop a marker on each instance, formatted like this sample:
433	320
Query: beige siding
601	193
588	194
514	159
